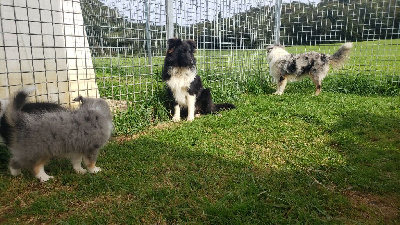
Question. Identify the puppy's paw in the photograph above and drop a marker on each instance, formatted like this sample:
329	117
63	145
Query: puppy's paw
81	170
277	93
45	178
176	119
190	119
15	172
94	169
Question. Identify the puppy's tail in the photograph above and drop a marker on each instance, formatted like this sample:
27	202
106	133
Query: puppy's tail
224	106
16	104
338	59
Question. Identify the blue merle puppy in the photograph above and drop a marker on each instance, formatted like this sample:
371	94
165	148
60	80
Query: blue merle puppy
284	66
37	132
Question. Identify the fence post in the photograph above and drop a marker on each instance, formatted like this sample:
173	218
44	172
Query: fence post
278	7
170	18
148	35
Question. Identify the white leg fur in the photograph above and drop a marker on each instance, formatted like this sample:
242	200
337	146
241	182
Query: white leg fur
94	169
41	175
177	114
76	161
15	172
91	167
191	101
280	87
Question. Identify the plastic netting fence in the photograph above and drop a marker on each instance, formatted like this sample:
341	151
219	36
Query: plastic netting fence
127	40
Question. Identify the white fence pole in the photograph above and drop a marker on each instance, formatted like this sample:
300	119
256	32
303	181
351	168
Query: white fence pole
278	7
170	18
148	35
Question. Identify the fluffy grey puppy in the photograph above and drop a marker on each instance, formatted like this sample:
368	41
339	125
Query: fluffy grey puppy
36	136
284	66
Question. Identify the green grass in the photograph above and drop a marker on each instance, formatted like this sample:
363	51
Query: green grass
372	70
296	158
374	63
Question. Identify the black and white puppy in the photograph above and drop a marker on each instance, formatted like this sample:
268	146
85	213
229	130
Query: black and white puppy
184	85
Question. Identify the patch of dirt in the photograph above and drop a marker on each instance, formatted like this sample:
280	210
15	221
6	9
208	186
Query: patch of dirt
385	207
4	211
117	105
152	129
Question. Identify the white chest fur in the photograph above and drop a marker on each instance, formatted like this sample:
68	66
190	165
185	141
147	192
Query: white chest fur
179	83
275	59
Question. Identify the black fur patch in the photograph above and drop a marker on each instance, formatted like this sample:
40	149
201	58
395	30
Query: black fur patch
41	107
31	108
20	99
291	66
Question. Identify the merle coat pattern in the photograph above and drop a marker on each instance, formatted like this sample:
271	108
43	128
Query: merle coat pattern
37	132
184	86
285	66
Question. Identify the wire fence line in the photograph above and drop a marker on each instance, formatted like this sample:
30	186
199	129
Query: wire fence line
115	48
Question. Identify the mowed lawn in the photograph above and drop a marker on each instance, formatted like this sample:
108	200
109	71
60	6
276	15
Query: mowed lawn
296	158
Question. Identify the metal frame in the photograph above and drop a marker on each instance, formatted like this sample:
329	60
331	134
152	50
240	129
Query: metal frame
127	39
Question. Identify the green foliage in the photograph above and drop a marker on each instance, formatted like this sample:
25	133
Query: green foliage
138	117
302	23
350	24
362	85
257	85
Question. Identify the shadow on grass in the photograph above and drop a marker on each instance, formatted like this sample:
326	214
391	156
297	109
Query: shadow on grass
178	184
4	159
147	180
371	144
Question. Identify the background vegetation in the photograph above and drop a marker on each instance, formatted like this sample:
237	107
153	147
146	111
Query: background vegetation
329	21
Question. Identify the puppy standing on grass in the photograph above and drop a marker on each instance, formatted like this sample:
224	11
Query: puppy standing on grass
184	85
284	66
36	135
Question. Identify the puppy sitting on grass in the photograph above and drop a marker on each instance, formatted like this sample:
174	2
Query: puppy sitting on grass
284	66
184	85
37	132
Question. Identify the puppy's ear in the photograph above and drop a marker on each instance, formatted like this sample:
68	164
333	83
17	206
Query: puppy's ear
172	43
78	99
193	45
269	48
